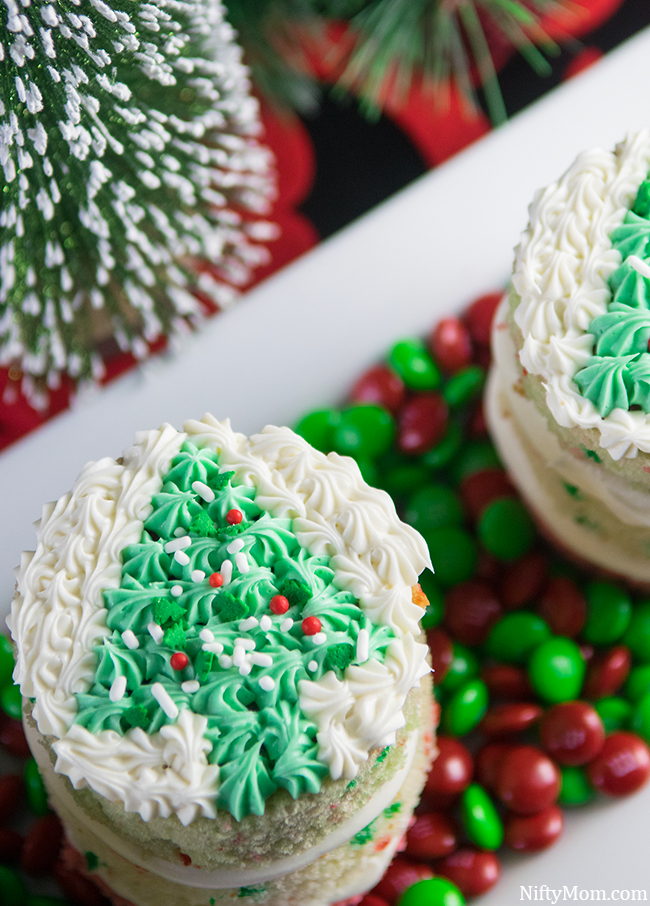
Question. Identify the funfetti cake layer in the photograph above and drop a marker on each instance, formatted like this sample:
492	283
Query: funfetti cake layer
220	641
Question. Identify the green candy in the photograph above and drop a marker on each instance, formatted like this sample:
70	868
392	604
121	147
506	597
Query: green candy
434	506
413	363
480	818
432	892
318	427
440	456
402	478
436	610
637	634
453	554
369	471
7	662
463	386
640	721
45	901
464	666
638	682
506	529
475	457
35	789
365	430
556	670
515	636
614	712
12	889
465	708
609	610
11	701
575	789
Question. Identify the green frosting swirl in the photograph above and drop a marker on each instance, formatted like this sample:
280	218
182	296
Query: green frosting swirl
260	738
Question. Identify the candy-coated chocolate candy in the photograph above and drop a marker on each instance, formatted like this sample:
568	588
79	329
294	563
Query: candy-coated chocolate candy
379	385
365	429
488	568
442	653
572	732
638	683
481	820
481	488
400	874
279	604
11	793
370	900
431	836
637	635
465	708
464	666
11	701
556	670
318	428
451	772
45	901
413	363
507	681
527	781
421	423
640	719
479	316
401	477
532	833
6	660
442	453
516	636
464	386
434	506
234	516
12	889
563	606
575	789
369	470
450	344
475	456
453	554
77	889
432	892
477	425
436	607
35	788
615	713
487	760
506	529
622	765
42	845
11	844
471	609
509	719
472	871
523	580
609	611
607	671
12	737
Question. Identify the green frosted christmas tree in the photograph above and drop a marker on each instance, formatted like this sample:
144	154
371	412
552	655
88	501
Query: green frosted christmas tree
128	145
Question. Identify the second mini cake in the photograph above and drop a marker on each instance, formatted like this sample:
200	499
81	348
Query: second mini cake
224	682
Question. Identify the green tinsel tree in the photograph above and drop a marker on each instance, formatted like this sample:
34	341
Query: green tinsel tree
127	140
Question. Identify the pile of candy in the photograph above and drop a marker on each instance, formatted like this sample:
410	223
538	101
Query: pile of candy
542	674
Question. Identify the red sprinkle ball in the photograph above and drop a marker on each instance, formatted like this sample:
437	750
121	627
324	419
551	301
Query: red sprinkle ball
234	517
216	580
179	660
279	604
311	625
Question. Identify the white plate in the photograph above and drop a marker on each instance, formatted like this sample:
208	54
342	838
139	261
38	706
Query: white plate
299	340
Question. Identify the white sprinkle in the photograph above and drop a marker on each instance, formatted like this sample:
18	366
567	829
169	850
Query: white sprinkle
181	558
190	686
261	660
235	546
156	632
130	639
118	689
177	591
180	531
266	622
241	562
238	656
225	661
267	683
164	700
212	647
245	669
319	638
248	623
206	635
312	666
248	644
286	625
197	575
203	491
363	643
178	545
226	572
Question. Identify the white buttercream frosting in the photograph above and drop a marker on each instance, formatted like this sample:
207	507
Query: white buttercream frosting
58	615
562	266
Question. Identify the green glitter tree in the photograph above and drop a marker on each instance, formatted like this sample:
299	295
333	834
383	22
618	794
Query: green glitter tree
130	158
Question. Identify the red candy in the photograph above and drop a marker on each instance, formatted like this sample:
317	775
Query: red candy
478	317
11	793
479	489
421	423
179	660
216	580
472	871
42	845
400	874
450	344
487	761
607	672
572	732
442	653
12	737
531	833
79	890
527	781
379	385
622	765
523	580
451	772
563	607
234	517
311	625
471	610
371	900
510	718
507	681
431	836
11	844
279	605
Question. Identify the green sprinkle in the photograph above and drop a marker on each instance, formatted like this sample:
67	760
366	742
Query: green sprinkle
364	836
174	637
339	656
91	861
231	608
392	809
573	490
383	755
136	716
203	526
590	454
351	785
296	593
164	610
249	891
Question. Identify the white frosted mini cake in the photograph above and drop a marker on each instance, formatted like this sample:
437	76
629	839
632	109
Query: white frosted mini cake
569	395
224	679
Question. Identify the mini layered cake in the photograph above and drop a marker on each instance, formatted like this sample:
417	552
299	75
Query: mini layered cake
225	684
569	395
